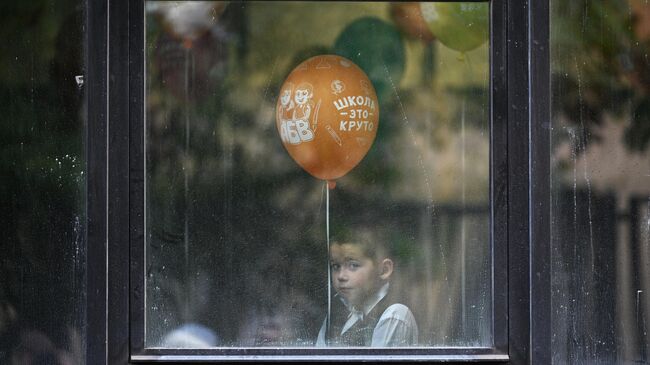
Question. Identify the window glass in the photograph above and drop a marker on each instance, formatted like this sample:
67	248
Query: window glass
42	249
600	181
373	152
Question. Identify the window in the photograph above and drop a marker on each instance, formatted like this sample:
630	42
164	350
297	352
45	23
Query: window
42	185
600	195
228	236
237	232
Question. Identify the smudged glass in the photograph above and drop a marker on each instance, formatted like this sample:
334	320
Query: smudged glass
600	182
236	240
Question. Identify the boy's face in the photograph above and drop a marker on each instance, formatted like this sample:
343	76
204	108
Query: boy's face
354	275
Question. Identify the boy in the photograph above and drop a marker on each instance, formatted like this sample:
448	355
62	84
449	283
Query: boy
364	312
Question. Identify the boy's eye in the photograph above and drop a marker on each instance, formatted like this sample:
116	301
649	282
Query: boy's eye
336	267
354	265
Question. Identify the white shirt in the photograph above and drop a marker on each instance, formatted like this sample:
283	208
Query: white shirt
396	326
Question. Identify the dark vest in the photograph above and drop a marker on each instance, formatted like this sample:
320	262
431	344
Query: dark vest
360	334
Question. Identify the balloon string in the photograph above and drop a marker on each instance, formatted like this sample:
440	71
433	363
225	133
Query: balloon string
329	268
186	185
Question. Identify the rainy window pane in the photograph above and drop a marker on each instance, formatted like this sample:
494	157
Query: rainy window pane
42	183
600	181
279	135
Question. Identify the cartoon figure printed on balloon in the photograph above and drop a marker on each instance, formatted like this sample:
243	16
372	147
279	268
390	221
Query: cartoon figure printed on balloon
304	93
294	113
286	103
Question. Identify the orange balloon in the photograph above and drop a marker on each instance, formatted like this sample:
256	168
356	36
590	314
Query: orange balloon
327	115
408	18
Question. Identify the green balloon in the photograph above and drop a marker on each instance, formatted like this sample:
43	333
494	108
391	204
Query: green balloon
377	48
459	26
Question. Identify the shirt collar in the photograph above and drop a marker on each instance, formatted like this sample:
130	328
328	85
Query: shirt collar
370	303
374	299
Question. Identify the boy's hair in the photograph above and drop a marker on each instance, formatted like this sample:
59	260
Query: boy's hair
373	244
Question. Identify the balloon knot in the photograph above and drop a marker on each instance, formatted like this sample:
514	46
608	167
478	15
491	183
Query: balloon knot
331	184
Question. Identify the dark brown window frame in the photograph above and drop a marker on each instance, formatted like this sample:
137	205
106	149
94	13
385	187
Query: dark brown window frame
519	190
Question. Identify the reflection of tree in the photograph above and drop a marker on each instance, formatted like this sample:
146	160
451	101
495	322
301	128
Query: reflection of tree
600	65
601	154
